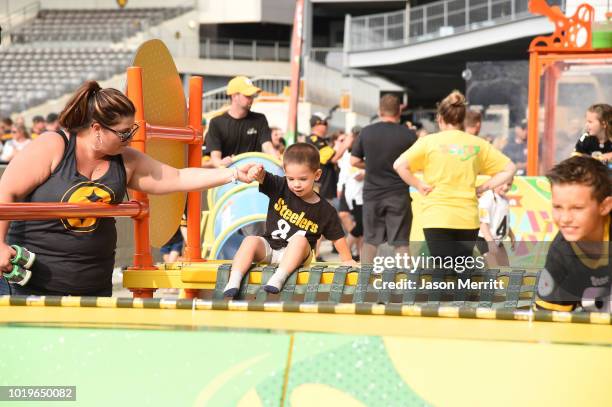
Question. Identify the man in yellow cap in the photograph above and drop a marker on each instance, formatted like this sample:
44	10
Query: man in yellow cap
239	130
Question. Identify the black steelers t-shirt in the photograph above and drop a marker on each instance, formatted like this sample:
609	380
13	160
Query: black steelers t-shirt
289	215
236	136
572	279
588	145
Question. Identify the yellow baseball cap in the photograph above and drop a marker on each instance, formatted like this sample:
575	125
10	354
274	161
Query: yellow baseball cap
242	84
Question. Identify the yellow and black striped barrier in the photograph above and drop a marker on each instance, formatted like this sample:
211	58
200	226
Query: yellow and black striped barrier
427	310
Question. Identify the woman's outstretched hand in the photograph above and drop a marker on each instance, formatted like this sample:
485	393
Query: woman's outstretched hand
250	172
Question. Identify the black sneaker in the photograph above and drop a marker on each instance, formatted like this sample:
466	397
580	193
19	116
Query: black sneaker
319	259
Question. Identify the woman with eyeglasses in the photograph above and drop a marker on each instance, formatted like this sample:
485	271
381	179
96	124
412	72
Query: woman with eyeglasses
20	139
87	161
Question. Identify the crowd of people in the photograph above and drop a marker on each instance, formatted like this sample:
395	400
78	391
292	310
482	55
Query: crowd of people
350	188
15	135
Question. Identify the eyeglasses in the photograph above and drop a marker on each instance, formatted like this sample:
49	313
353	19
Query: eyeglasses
123	135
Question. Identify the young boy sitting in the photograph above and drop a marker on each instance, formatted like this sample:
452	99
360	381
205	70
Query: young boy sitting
578	270
494	214
297	217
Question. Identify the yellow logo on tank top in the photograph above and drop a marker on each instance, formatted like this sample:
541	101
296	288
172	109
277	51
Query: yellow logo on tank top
464	152
82	193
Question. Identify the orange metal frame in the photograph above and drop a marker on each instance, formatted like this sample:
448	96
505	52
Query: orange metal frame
138	208
193	135
544	53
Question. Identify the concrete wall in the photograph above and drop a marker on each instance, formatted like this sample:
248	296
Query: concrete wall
91	4
246	11
180	35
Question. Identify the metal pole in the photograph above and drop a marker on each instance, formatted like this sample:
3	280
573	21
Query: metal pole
142	249
532	119
385	35
193	250
407	24
445	13
296	62
467	15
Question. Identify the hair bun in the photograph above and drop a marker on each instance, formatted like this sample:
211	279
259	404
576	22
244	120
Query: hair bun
457	99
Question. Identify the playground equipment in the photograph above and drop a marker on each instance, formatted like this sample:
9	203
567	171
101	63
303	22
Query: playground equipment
234	208
572	47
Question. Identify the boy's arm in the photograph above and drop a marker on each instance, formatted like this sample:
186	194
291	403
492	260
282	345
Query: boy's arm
550	294
344	252
512	237
259	173
486	232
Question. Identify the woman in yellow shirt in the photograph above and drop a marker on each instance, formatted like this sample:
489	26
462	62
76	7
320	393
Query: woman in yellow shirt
450	161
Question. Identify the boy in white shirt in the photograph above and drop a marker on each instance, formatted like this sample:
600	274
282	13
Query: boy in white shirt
350	192
494	213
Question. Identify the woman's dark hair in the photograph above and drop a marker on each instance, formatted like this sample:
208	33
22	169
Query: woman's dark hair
583	170
452	109
604	114
90	103
302	153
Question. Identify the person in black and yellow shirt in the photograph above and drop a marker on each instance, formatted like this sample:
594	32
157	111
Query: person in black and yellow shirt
328	155
87	161
6	124
578	269
297	218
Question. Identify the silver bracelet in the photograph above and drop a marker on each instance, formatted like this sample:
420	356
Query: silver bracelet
234	178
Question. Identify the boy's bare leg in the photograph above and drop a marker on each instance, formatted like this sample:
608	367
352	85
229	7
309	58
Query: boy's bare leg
173	256
252	248
296	252
347	220
402	249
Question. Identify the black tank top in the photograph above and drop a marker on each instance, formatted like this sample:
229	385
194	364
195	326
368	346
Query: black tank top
73	256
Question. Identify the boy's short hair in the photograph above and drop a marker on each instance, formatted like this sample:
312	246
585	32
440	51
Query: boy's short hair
302	153
584	171
472	118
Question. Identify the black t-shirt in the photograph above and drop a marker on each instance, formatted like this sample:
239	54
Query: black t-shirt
289	215
329	174
588	145
235	136
516	152
572	278
381	144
